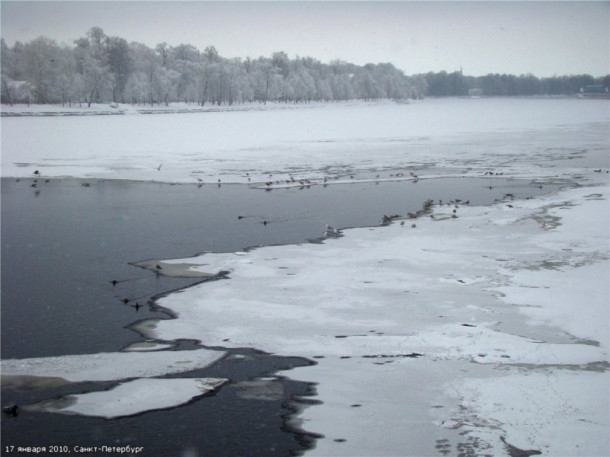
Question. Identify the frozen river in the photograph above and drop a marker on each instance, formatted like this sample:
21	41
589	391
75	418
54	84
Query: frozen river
498	308
65	241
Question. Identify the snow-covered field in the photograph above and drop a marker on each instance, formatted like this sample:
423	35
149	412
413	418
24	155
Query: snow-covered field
465	331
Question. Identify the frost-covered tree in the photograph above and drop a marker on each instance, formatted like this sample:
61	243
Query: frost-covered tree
145	84
68	82
264	80
239	90
137	88
92	75
211	54
99	68
163	49
119	64
366	86
281	61
323	90
97	38
39	64
8	58
302	87
186	85
186	60
185	52
164	84
15	91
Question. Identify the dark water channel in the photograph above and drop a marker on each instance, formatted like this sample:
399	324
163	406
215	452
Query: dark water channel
64	241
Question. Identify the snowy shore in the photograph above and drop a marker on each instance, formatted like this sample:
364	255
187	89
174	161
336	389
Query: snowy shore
464	330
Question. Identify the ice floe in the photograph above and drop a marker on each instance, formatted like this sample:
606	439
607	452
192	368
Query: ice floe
110	366
145	346
145	393
132	397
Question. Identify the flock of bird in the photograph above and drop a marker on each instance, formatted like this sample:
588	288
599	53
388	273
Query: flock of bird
132	301
270	183
38	180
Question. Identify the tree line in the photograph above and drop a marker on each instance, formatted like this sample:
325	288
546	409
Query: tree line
100	69
455	84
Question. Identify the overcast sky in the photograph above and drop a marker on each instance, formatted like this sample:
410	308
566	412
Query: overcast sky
543	38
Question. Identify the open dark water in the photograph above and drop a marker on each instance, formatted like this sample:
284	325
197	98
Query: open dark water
63	243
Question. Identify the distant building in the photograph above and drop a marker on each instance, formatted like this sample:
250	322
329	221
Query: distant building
594	91
475	92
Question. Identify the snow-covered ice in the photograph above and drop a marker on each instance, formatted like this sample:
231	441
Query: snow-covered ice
132	397
306	142
462	334
110	366
145	346
453	298
145	393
